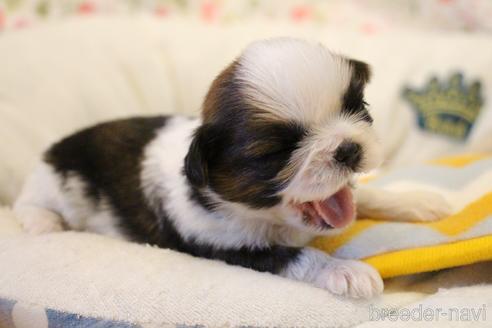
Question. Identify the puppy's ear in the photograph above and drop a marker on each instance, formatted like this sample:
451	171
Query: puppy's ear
196	161
361	72
353	99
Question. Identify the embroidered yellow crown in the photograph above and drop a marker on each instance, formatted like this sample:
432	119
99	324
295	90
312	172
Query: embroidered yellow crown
448	108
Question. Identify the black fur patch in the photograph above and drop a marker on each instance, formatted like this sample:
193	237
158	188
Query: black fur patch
271	259
241	163
108	158
353	100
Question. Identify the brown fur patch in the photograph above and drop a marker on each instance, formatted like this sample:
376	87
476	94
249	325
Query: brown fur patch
221	84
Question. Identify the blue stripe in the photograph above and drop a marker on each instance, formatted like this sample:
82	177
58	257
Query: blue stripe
57	319
441	176
6	307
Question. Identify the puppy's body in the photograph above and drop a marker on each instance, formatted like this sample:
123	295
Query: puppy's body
266	168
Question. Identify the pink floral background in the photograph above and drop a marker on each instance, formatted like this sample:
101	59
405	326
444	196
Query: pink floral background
369	16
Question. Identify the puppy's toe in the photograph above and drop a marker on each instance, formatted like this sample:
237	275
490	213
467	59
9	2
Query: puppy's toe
350	278
37	221
42	226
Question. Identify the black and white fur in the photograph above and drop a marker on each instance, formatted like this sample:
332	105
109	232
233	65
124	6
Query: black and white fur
222	186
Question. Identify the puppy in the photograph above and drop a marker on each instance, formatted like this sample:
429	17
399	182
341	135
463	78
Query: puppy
268	166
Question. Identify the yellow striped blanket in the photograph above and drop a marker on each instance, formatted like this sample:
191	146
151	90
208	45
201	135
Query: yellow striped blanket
398	248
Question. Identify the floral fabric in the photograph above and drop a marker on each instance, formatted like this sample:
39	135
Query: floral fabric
368	16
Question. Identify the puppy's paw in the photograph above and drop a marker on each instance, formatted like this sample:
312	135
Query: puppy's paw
350	278
402	206
423	206
38	221
42	226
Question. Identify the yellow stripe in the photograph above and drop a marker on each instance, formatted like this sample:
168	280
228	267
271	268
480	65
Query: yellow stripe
459	161
432	258
464	220
367	178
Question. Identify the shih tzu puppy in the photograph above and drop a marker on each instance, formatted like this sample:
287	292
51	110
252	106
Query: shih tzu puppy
268	166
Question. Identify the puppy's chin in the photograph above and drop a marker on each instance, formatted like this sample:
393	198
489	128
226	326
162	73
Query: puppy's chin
324	215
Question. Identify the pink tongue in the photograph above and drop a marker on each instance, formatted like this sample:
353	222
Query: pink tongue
338	210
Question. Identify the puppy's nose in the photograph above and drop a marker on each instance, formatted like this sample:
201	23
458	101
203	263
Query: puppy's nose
349	154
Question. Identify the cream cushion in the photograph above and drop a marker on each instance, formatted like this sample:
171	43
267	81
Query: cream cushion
63	76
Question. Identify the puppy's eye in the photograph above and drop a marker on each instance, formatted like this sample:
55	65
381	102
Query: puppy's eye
365	113
355	106
274	141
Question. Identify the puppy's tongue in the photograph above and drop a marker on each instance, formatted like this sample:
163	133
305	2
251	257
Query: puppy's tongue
338	210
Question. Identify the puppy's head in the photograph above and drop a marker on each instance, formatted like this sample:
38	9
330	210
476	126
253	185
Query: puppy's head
285	128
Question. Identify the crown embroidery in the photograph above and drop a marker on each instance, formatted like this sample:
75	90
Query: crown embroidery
449	108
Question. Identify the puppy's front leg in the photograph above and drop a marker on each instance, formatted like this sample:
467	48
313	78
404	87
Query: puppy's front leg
416	206
340	277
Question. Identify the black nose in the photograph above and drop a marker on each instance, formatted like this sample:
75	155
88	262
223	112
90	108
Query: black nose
349	154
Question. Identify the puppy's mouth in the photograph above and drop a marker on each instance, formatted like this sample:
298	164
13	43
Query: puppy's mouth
336	211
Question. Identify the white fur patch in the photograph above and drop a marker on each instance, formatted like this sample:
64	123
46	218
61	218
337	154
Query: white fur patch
36	207
293	79
46	201
42	189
